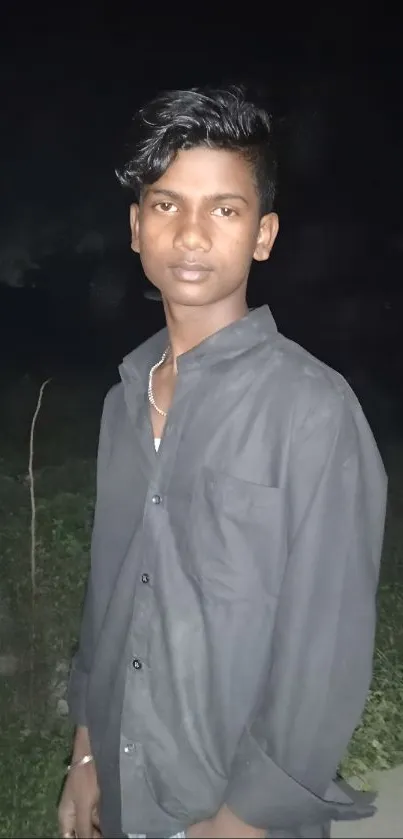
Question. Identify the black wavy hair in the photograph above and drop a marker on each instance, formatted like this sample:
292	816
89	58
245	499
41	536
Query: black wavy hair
184	119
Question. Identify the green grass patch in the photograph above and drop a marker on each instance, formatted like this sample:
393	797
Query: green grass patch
35	739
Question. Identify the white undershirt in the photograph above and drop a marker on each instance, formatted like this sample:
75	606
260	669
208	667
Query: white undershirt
157	441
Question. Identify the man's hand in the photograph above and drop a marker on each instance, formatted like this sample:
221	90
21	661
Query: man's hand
225	825
78	808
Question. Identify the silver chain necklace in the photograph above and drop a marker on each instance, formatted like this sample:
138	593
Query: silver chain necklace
150	383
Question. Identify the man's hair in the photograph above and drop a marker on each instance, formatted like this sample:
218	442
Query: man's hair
213	118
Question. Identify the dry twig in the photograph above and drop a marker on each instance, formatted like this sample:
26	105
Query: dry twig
32	489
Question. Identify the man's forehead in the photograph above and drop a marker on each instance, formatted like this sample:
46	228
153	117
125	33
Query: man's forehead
206	171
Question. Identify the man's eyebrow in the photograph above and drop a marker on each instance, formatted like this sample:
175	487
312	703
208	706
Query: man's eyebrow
167	193
228	196
219	196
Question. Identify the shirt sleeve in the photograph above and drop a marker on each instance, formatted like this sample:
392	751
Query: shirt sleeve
82	660
320	667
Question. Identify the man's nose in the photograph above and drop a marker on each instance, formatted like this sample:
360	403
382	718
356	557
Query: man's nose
192	235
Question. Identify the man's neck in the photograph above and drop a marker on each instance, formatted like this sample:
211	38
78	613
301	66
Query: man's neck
188	326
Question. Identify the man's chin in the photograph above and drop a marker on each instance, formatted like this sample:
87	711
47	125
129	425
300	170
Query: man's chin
187	295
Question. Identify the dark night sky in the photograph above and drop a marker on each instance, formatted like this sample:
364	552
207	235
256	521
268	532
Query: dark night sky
71	79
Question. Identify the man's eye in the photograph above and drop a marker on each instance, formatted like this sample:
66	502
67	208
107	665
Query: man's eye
224	212
166	207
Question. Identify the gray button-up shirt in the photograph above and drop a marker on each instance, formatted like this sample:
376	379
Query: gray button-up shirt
227	637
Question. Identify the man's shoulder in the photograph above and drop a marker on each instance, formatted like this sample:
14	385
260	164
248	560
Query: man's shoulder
113	402
311	383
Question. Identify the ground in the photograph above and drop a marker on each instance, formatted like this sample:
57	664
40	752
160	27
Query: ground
38	636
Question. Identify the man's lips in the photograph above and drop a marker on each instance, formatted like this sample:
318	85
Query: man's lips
190	270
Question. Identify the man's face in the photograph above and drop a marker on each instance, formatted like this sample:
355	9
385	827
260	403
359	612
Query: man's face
198	228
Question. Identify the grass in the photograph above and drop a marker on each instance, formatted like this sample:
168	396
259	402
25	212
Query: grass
35	739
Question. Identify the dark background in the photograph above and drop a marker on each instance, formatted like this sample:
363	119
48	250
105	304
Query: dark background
72	296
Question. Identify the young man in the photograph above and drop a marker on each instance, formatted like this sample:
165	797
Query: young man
227	637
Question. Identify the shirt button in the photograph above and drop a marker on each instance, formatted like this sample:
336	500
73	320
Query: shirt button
156	499
137	664
145	578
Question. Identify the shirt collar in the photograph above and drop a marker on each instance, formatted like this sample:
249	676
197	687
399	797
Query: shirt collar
253	329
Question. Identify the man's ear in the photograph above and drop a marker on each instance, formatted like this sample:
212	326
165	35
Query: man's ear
134	227
268	229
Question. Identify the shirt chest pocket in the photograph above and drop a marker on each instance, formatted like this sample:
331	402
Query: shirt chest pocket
238	535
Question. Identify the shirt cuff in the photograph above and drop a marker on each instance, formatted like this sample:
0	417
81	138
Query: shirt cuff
77	695
261	794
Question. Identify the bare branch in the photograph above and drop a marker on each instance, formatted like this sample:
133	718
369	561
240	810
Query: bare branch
32	489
